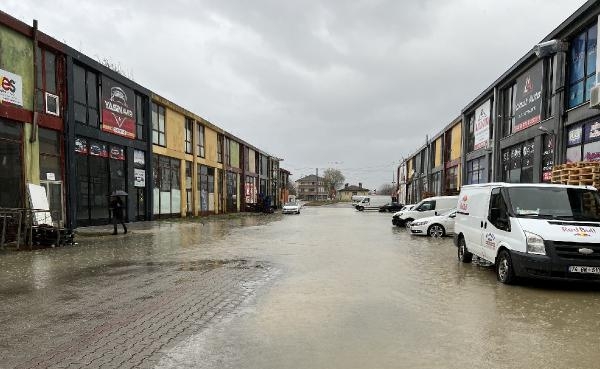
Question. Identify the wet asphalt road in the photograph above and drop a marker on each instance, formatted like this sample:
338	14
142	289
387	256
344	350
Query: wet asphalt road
330	288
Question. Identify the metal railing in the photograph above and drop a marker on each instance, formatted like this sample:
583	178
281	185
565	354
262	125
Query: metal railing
22	226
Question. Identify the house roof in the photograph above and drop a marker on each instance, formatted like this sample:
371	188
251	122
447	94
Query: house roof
310	178
353	189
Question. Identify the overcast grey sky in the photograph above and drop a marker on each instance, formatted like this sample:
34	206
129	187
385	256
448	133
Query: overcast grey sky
353	85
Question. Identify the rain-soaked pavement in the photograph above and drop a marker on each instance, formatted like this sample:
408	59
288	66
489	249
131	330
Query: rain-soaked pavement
330	288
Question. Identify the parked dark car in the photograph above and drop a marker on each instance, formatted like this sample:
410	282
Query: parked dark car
391	207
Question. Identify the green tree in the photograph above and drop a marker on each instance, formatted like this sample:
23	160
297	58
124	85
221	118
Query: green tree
332	179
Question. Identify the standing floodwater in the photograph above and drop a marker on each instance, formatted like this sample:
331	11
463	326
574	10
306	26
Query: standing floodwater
329	288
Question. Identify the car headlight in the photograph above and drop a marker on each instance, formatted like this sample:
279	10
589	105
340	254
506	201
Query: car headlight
535	244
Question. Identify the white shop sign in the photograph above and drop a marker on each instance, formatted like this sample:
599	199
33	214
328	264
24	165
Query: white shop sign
11	88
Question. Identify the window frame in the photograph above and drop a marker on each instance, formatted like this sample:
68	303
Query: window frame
87	73
188	134
588	74
200	140
157	134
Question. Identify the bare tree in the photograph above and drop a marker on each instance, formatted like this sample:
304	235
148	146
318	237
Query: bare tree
333	179
385	189
115	66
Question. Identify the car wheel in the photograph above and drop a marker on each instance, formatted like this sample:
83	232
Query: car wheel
464	255
504	268
436	231
407	223
360	208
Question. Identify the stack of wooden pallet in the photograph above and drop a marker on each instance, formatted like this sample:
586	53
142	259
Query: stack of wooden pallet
579	174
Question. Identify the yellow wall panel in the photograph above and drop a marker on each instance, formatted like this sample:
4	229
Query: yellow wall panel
175	131
252	161
438	152
456	142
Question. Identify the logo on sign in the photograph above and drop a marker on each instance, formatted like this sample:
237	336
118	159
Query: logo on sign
8	84
490	241
528	86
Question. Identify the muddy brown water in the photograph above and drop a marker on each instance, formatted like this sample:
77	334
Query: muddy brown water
351	291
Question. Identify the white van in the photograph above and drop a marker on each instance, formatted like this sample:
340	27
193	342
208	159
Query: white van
531	230
372	202
428	207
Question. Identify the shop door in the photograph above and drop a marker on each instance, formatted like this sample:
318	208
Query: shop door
99	190
140	204
54	192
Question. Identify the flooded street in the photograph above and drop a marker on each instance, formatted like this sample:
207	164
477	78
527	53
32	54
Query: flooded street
330	288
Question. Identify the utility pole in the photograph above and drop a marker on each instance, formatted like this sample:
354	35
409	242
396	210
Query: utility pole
317	195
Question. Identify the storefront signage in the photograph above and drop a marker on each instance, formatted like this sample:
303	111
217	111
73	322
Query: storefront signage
118	114
139	179
98	149
482	126
11	88
528	102
574	136
591	151
592	131
117	153
138	159
81	146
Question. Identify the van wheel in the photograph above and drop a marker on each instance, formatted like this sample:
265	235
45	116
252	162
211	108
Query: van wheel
504	268
464	255
407	223
436	231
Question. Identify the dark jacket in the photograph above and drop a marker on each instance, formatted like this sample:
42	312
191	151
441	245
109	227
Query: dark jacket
116	206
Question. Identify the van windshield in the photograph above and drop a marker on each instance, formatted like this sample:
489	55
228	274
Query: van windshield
555	203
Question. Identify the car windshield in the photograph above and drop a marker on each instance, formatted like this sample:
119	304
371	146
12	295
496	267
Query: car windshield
291	204
555	203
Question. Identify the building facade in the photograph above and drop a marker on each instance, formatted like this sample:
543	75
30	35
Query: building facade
84	131
311	188
32	115
539	113
346	193
107	142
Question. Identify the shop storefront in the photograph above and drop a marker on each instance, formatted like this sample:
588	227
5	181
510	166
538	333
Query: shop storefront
517	163
206	189
11	164
100	171
232	192
166	186
583	142
106	146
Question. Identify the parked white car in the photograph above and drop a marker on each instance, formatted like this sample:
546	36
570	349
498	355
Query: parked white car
396	216
291	208
428	207
436	226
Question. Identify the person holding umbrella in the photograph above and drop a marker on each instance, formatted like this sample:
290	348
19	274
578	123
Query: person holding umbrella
116	205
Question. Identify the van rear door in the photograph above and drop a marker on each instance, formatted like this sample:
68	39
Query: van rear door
477	200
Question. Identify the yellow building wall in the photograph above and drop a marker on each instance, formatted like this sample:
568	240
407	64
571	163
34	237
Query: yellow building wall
234	153
210	147
456	142
252	161
438	152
